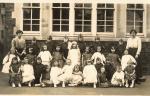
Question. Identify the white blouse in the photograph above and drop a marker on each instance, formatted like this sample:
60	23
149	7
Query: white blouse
134	43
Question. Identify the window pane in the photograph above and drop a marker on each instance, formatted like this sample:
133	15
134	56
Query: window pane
87	22
78	5
87	5
109	28
78	22
87	29
26	28
109	14
56	27
109	5
130	5
35	4
100	22
26	13
100	14
140	24
139	29
35	13
26	21
100	28
56	21
109	22
56	13
64	22
26	4
139	15
78	28
35	21
101	5
130	15
87	14
130	23
65	13
35	27
65	5
139	6
65	28
78	14
56	4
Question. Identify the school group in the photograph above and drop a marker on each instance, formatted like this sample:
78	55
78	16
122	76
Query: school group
73	63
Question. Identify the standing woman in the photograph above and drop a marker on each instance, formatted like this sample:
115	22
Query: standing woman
134	46
19	44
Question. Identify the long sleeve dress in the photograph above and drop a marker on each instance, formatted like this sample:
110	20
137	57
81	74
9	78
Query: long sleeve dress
46	57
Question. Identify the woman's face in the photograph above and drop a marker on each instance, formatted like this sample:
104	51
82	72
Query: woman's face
19	35
133	34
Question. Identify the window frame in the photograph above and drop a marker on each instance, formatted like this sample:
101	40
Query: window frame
40	20
143	34
108	34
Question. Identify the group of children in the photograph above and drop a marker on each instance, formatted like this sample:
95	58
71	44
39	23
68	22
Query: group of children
73	67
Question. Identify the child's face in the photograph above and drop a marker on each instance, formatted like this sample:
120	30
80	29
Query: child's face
57	48
126	52
30	51
56	63
19	35
98	49
76	69
68	62
14	61
74	46
98	61
45	47
12	51
113	50
39	61
102	70
89	63
119	69
26	60
87	50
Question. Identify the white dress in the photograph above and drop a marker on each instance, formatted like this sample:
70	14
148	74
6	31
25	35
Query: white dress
74	55
98	55
125	59
55	72
76	78
6	62
90	74
117	76
27	73
66	73
46	57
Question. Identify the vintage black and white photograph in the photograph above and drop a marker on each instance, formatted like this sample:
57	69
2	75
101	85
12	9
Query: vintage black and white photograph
74	47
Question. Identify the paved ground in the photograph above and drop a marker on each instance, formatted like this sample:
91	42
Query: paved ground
143	89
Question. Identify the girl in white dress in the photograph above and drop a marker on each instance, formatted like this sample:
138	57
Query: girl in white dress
90	74
45	55
74	54
55	72
118	77
7	60
27	72
98	54
66	73
126	58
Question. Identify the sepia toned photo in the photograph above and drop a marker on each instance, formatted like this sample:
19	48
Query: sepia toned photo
72	47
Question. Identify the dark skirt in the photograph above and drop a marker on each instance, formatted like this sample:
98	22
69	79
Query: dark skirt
15	78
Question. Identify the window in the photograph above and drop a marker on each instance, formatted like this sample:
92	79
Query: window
135	17
83	17
60	17
105	17
31	17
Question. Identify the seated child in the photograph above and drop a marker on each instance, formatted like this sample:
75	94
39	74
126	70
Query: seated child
15	73
90	74
118	77
125	58
46	76
38	70
98	54
66	73
7	60
30	56
27	72
130	74
76	76
55	72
